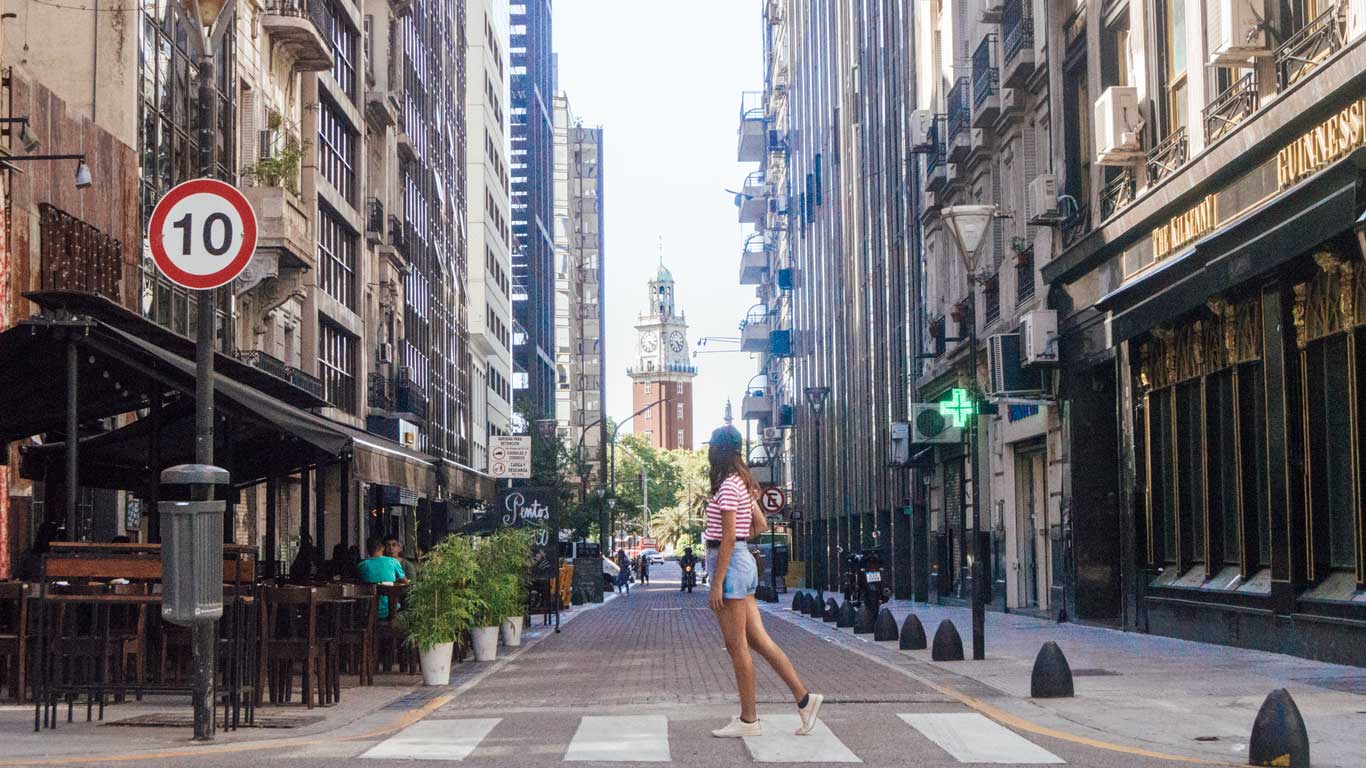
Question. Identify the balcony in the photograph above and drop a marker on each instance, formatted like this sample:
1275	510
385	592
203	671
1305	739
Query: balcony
753	143
757	406
1231	107
263	361
753	261
755	330
1017	33
1306	49
1168	156
307	382
1076	225
381	109
958	119
374	221
1116	194
986	83
296	27
753	199
77	257
379	396
282	224
991	299
936	176
409	398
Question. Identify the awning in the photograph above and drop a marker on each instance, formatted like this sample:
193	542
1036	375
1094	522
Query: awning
1255	243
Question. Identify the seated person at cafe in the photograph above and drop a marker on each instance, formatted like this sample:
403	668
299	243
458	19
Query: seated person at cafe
393	548
379	568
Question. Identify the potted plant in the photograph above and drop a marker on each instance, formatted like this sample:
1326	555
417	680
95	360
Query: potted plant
443	603
504	561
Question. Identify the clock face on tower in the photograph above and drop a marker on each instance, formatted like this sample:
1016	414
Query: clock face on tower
676	341
649	342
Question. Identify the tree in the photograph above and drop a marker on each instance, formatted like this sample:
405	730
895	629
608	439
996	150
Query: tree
676	526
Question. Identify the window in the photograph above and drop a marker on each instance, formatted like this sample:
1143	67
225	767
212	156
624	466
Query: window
1174	30
1190	481
343	39
336	257
1329	447
337	366
1222	451
647	387
680	410
679	444
337	149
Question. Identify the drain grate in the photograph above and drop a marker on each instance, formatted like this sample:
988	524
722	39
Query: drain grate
416	699
1094	672
173	720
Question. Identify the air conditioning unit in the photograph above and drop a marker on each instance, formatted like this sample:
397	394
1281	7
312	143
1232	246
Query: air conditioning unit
1236	31
921	121
1117	126
384	353
1039	337
1004	373
931	425
1041	200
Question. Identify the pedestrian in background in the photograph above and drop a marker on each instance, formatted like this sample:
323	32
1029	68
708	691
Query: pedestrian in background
623	572
732	518
644	569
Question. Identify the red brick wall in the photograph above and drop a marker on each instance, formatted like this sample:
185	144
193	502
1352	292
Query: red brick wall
664	421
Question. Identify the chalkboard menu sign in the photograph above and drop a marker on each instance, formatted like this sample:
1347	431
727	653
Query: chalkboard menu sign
525	508
588	575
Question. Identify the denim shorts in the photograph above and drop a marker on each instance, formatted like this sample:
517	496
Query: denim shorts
742	576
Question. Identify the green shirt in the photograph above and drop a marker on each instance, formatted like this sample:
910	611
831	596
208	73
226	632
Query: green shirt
377	570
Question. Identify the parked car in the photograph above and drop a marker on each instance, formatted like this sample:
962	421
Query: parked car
653	554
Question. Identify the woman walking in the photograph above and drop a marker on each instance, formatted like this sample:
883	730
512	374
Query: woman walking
732	517
623	572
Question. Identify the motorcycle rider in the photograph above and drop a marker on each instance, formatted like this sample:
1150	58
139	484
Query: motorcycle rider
689	564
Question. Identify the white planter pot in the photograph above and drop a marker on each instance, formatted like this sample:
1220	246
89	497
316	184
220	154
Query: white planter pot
436	664
512	631
485	643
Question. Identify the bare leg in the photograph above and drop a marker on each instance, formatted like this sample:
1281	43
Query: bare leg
758	639
733	618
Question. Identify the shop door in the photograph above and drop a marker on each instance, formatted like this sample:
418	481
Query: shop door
1031	507
953	528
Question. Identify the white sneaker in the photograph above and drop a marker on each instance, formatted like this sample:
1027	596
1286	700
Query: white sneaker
738	729
810	712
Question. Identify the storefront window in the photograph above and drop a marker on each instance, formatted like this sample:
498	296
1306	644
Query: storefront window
1189	437
1222	456
1330	447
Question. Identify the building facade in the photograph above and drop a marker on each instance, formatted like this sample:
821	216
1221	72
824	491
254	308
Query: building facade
662	374
490	219
580	357
533	200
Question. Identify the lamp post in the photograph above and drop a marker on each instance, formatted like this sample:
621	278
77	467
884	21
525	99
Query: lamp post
968	225
612	511
546	429
210	20
602	519
815	397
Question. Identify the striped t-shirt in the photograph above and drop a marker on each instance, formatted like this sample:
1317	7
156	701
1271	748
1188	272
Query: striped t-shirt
732	497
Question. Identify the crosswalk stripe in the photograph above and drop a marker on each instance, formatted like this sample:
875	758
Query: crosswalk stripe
627	738
781	744
972	738
435	740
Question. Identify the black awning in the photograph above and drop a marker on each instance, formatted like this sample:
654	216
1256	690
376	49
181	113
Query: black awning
1255	243
101	309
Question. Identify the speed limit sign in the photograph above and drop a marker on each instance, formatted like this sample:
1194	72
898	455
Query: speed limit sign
202	234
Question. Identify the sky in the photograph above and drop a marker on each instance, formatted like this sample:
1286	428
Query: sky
664	80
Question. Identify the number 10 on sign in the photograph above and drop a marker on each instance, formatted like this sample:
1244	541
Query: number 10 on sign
202	234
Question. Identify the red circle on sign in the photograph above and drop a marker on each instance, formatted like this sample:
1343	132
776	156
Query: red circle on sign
773	500
233	197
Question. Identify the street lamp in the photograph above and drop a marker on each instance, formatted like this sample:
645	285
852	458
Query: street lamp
612	510
546	429
968	225
815	397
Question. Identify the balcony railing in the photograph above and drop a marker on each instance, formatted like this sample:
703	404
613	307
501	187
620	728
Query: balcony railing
1231	107
1017	28
374	217
380	397
935	157
75	256
1307	48
1078	224
991	299
264	361
409	396
1024	274
1168	156
1116	194
396	232
960	111
308	383
985	73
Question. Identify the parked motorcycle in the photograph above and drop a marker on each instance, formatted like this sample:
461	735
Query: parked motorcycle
689	576
862	580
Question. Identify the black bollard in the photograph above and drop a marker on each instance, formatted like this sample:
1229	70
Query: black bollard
816	607
799	602
948	646
848	615
1278	734
832	611
864	622
1052	677
913	634
885	626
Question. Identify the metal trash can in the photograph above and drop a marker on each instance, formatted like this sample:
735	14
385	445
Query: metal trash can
192	546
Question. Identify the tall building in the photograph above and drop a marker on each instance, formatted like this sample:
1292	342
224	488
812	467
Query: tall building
663	371
580	358
533	170
490	220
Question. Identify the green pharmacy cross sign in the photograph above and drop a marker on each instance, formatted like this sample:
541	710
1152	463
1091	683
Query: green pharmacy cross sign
959	406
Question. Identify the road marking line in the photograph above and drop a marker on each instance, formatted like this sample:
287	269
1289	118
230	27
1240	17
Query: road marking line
435	740
616	739
971	738
781	744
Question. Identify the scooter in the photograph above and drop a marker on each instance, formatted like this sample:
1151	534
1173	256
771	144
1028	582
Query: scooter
689	576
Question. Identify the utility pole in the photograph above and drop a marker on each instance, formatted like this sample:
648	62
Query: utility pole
644	502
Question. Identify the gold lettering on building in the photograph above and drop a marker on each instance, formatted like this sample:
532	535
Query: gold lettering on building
1328	142
1184	229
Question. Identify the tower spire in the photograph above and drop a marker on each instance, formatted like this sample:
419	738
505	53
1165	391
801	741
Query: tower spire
728	417
660	247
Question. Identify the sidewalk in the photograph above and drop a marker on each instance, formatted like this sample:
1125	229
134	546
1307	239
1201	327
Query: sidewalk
392	703
1159	693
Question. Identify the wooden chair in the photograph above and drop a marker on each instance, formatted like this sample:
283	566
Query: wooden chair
298	631
390	639
358	631
14	637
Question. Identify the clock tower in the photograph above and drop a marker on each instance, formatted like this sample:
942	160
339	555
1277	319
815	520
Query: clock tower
663	371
